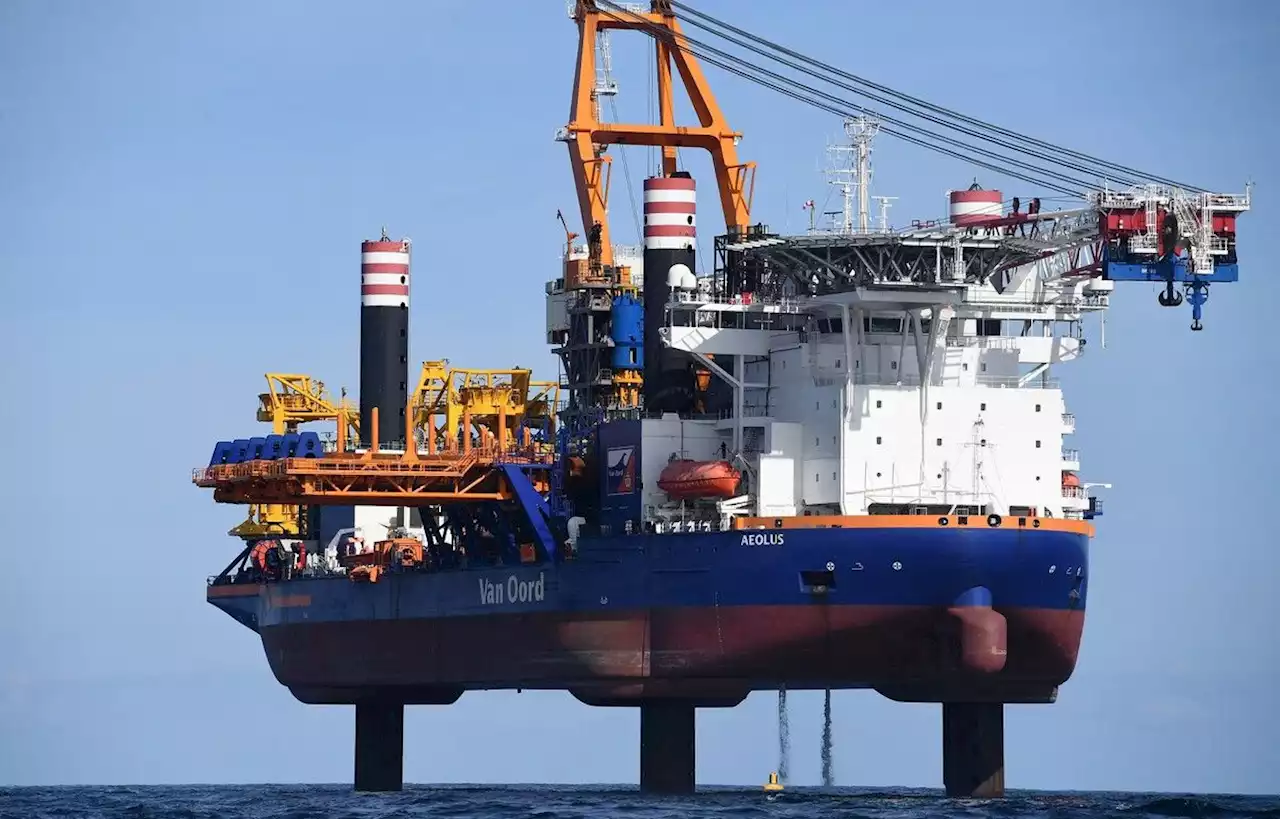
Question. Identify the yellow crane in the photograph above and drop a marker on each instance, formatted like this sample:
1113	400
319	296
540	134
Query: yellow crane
487	402
292	399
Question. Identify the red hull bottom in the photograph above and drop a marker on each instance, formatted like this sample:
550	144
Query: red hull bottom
715	656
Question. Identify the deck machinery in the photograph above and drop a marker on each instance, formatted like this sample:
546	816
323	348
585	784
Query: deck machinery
836	460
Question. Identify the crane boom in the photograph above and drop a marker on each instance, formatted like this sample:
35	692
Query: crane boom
1139	226
588	137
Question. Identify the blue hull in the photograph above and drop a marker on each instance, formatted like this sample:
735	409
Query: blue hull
874	607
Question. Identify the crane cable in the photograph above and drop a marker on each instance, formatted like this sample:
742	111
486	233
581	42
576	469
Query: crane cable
930	117
851	109
626	174
1098	163
847	108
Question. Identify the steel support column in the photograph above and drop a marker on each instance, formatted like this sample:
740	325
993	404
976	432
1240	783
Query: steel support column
667	742
973	749
379	746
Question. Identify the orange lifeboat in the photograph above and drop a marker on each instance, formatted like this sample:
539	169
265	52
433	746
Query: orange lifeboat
1070	480
683	479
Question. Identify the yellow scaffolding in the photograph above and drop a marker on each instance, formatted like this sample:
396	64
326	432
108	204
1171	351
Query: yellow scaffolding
459	474
487	404
455	409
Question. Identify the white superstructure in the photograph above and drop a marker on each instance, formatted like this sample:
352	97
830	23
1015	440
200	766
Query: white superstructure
907	397
891	396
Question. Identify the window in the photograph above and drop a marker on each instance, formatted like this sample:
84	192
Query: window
893	365
939	442
939	405
984	442
838	362
817	442
878	439
982	406
833	403
1037	444
632	353
984	367
833	476
816	477
1037	407
817	405
965	366
878	405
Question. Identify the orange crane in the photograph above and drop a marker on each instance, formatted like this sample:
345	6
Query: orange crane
588	137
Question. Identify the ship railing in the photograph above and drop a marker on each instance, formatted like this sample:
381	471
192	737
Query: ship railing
984	342
1068	422
231	578
982	297
676	527
442	464
1072	455
1019	304
829	378
329	444
1074	492
636	414
688	300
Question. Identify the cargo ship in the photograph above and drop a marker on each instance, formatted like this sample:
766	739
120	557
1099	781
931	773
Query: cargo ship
834	460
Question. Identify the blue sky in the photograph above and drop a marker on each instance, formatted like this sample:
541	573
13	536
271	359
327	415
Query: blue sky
184	190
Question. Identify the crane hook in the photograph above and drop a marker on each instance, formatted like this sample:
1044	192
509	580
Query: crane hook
1197	294
1170	297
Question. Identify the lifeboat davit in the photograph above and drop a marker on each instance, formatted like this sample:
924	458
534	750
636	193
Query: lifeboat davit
685	480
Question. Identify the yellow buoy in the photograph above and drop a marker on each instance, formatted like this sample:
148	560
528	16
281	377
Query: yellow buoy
773	785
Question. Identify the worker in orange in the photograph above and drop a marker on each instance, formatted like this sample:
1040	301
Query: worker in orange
258	557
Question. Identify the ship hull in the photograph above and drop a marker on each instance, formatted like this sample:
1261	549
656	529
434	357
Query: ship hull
699	616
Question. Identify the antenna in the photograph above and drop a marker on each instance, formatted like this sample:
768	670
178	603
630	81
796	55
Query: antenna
841	173
861	130
884	202
850	171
